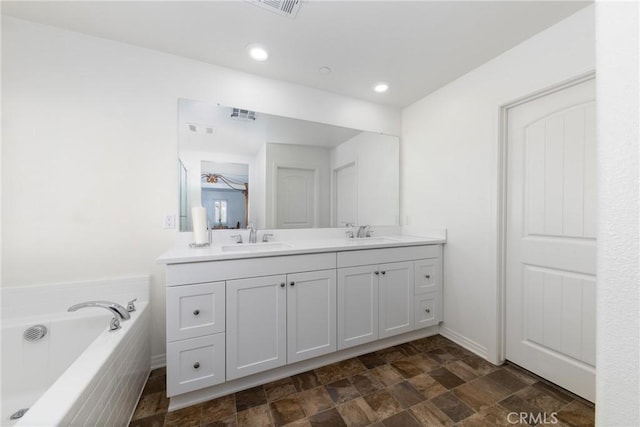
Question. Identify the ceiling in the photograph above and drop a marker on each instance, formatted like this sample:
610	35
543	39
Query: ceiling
242	136
415	46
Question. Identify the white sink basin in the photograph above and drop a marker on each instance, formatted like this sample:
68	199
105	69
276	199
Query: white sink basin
370	240
255	247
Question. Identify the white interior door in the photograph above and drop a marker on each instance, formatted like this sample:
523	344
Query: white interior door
346	195
295	198
551	237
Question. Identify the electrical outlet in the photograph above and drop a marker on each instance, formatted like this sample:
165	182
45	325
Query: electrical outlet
169	222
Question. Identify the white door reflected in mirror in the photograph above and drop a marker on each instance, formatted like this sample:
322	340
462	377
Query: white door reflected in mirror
294	173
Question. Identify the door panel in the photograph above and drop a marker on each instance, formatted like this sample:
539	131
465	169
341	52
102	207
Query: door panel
256	325
357	306
396	298
346	195
551	247
295	198
311	314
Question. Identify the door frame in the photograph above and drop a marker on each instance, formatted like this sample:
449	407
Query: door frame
503	111
334	191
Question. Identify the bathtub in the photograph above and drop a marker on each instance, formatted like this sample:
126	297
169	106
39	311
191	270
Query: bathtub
79	373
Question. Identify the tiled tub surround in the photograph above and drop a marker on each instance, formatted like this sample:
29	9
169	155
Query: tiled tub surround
239	315
428	382
79	372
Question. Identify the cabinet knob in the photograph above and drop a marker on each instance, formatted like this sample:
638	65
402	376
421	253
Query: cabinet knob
377	272
292	283
427	310
196	312
196	365
384	272
282	285
428	276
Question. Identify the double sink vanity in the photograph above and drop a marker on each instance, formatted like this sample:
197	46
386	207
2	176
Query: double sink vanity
240	315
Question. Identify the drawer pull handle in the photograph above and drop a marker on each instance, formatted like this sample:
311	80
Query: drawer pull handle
282	285
427	310
292	283
196	312
384	272
196	365
428	276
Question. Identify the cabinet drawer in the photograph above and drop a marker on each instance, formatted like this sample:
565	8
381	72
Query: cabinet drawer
385	255
427	274
195	310
427	309
195	363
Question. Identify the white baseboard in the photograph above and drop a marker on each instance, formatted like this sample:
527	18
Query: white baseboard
158	361
465	342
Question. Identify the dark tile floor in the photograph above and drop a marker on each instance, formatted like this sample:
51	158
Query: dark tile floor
427	382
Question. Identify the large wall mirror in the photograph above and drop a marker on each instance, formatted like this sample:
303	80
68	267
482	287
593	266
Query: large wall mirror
278	172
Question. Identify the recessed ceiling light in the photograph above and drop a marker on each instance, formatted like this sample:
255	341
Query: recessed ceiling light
325	70
381	87
258	52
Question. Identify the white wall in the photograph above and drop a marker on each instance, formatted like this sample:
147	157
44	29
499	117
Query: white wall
618	304
377	159
90	145
298	156
449	165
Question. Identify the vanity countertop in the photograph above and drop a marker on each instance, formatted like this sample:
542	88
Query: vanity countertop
185	254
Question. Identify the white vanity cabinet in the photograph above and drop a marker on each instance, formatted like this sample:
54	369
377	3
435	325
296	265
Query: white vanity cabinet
311	314
357	305
256	325
274	320
396	298
378	300
195	336
428	292
236	323
374	301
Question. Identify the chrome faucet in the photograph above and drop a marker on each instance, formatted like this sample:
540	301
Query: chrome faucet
253	233
118	311
364	231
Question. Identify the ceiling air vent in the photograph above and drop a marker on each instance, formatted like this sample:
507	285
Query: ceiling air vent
237	113
287	8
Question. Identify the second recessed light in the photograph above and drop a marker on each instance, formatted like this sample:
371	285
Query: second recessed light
258	52
381	87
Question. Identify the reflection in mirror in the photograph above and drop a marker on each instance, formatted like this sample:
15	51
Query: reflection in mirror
298	174
225	194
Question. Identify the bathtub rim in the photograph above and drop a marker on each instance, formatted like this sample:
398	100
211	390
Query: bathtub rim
51	408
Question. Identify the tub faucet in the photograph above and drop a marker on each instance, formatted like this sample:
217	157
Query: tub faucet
119	312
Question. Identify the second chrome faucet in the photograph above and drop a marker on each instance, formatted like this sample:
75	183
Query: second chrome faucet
118	311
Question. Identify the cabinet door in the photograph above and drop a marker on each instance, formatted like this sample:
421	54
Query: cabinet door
396	298
427	275
357	306
427	309
195	310
256	325
195	363
311	314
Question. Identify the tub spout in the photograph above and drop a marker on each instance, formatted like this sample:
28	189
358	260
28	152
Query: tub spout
119	312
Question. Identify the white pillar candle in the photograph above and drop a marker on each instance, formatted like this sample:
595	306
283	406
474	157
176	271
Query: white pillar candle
199	217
